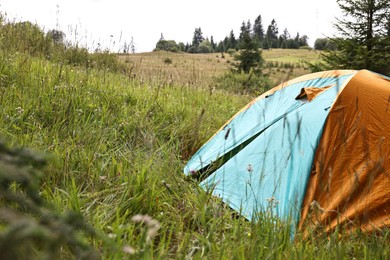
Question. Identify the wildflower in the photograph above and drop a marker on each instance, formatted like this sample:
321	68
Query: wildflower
152	225
272	202
19	110
79	111
111	235
129	250
249	168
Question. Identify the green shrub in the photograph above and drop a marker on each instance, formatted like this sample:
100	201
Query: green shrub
204	48
192	49
242	83
167	60
167	45
231	52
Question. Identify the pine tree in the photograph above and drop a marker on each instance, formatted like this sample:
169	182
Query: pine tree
245	30
198	37
232	41
213	44
249	27
364	42
258	30
272	34
283	38
249	58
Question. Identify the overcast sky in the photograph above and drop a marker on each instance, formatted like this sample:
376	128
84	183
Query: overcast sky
112	22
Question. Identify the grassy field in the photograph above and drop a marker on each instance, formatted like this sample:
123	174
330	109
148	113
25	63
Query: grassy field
115	145
294	56
202	69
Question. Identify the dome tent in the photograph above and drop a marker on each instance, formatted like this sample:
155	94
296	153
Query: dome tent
322	139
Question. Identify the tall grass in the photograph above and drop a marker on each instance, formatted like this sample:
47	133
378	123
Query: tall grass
115	148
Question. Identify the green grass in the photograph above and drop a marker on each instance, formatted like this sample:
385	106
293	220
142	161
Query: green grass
116	146
291	55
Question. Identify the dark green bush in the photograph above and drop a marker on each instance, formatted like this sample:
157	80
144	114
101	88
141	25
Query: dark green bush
167	61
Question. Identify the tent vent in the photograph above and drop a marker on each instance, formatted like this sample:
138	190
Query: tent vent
310	93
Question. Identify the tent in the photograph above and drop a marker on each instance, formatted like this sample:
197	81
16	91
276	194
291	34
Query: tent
314	150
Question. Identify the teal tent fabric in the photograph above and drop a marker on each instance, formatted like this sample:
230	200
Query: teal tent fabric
264	155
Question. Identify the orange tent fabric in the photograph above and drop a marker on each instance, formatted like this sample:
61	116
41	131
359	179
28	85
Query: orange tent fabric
349	185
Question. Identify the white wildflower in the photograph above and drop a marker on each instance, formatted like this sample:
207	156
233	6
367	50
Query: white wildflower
152	225
129	250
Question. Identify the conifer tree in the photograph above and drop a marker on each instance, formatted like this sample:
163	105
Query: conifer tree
272	34
364	42
198	37
232	41
245	30
258	30
249	58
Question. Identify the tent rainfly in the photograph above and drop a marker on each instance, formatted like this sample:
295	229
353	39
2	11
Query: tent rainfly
321	140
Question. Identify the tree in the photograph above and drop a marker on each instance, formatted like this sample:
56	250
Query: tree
272	34
225	44
220	46
258	30
57	36
198	37
296	39
324	44
181	46
364	42
320	44
283	38
213	44
232	41
163	45
244	31
205	47
249	26
249	58
303	41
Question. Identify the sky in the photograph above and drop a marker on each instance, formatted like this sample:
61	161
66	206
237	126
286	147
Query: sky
111	23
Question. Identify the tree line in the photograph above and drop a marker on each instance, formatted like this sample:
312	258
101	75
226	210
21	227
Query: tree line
265	39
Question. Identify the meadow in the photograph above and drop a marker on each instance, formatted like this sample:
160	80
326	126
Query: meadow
115	140
201	69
